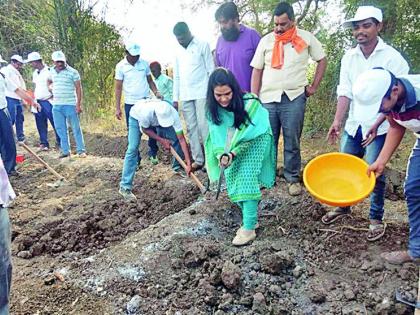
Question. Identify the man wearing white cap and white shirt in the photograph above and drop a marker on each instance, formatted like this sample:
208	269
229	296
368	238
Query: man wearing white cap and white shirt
133	77
43	95
14	100
67	103
364	138
378	90
160	121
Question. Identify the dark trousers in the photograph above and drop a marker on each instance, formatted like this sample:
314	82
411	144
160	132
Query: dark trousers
7	142
287	117
15	109
153	148
41	120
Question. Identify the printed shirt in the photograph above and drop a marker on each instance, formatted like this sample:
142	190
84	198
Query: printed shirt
135	85
353	64
6	191
144	112
408	115
291	78
3	102
64	89
165	86
14	81
237	55
192	68
40	79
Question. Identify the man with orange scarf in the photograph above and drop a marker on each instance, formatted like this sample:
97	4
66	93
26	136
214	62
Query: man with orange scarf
279	79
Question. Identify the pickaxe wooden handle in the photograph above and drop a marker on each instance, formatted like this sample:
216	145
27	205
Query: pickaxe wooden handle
192	175
41	161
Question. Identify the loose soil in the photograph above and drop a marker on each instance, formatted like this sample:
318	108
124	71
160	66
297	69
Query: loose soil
78	248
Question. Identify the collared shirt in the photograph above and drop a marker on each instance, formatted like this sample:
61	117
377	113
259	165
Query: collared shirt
408	115
237	55
14	81
64	89
291	78
135	85
144	112
6	191
192	68
3	102
40	79
165	86
353	64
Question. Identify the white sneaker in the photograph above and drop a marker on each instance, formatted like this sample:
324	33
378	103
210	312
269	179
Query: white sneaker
127	194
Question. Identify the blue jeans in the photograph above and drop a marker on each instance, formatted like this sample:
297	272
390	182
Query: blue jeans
412	195
7	142
130	160
16	114
5	261
353	146
41	120
62	114
153	148
288	116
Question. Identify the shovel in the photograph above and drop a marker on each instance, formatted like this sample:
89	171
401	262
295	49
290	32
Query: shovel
399	297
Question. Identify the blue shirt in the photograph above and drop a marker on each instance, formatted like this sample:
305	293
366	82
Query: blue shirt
135	85
64	89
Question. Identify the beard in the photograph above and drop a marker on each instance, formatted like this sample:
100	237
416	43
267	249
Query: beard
230	34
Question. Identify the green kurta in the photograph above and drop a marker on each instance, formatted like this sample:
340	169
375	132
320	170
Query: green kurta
254	163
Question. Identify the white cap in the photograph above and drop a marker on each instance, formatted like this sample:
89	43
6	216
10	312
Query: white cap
33	56
164	114
58	56
2	60
17	58
363	13
368	91
133	49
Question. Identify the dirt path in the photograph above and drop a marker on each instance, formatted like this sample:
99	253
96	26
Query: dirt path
79	249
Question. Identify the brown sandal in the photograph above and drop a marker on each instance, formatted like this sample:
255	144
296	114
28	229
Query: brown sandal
376	231
332	216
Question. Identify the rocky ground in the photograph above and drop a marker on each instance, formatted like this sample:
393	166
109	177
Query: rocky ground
78	248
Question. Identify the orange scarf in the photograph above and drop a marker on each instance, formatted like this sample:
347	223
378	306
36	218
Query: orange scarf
277	60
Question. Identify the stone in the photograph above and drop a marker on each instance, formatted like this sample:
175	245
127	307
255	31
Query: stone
133	305
231	275
275	263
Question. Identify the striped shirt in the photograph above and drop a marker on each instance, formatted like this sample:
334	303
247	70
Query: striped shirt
64	90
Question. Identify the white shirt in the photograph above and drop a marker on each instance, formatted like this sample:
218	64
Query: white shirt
3	102
135	85
6	190
192	68
14	81
353	64
40	79
144	112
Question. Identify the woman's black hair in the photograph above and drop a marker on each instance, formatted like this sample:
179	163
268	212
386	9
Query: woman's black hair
222	76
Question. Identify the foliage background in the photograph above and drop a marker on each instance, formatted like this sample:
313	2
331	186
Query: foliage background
94	47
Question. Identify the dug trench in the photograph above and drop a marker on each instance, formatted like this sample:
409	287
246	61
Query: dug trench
78	248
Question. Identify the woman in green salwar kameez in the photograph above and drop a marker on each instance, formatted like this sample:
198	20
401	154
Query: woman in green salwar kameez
240	139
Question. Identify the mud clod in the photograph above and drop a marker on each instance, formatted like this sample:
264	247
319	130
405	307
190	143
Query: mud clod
231	275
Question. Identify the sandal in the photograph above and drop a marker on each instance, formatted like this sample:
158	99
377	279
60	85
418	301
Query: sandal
376	231
332	216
